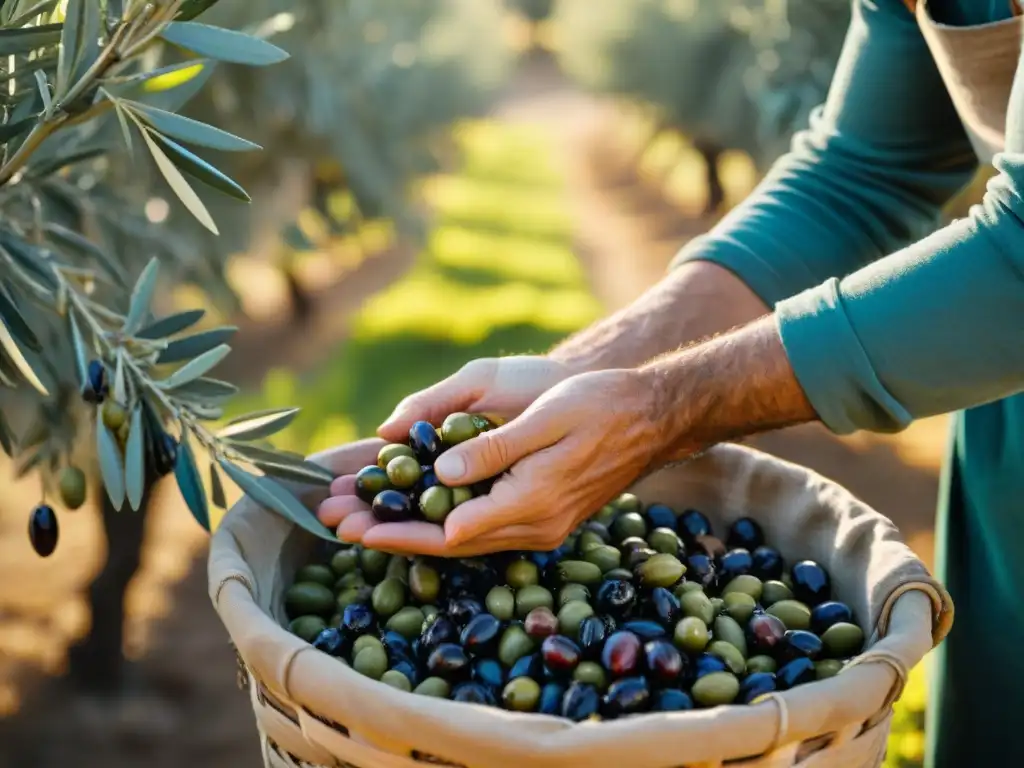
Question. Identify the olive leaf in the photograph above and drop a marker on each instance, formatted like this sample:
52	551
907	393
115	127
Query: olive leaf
276	498
258	425
188	130
126	130
40	8
217	488
44	92
195	368
27	39
14	128
192	8
205	389
222	44
283	464
10	314
179	185
111	466
10	346
191	484
6	436
79	42
189	346
88	248
120	385
135	460
142	296
30	259
199	169
172	324
78	345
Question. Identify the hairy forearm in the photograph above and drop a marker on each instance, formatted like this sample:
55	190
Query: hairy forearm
736	384
697	300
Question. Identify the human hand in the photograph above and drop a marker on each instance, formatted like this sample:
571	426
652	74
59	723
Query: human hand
578	445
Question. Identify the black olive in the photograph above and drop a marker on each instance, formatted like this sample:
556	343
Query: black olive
561	655
488	672
764	634
592	634
665	663
551	696
671	700
333	642
811	584
428	479
357	619
470	578
660	516
544	559
462	609
796	672
799	644
408	669
626	697
580	701
391	506
474	693
425	442
621	655
700	568
637	557
692	524
736	562
441	630
94	389
480	635
448	660
615	598
706	664
43	530
165	453
633	542
745	533
664	606
645	629
767	564
396	645
828	613
370	481
754	685
531	665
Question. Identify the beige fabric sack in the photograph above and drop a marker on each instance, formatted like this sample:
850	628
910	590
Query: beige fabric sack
313	710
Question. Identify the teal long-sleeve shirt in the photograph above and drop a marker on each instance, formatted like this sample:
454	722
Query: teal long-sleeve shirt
886	320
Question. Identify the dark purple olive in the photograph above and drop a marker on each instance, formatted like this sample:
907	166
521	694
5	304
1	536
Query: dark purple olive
580	701
471	578
441	630
745	533
410	671
396	645
799	644
425	442
480	635
474	693
645	629
621	654
599	529
463	609
811	584
692	524
544	559
592	634
370	481
165	453
483	487
94	390
733	563
764	634
392	506
43	530
767	564
633	542
660	516
637	557
664	662
796	672
671	700
706	664
664	606
551	696
700	568
626	697
615	598
531	665
561	655
333	642
357	619
754	685
427	480
449	661
487	672
828	613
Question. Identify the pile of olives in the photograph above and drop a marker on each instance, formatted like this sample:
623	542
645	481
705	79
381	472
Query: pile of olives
402	484
640	610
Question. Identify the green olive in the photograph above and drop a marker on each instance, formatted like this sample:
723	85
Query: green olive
424	582
745	584
729	630
842	640
521	694
404	472
514	644
606	515
461	495
388	597
827	668
619	574
429	611
349	580
501	603
664	540
588	540
794	614
572	592
407	622
571	616
308	598
578	572
773	592
307	627
661	571
715	689
628	524
458	428
365	641
688	586
691	634
717	605
435	687
697	604
627	502
522	573
739	606
436	503
374	564
318	574
398	568
396	679
345	561
592	673
730	654
73	487
372	662
392	451
530	597
761	663
354	595
604	557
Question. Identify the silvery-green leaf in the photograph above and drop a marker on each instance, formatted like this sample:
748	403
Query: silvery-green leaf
179	185
30	13
126	130
31	259
135	460
169	88
81	355
256	426
172	324
111	466
15	128
188	347
6	436
87	248
15	41
44	92
120	385
195	368
199	169
142	297
192	8
205	390
191	484
79	42
10	314
10	346
115	12
217	488
188	130
274	497
306	472
222	44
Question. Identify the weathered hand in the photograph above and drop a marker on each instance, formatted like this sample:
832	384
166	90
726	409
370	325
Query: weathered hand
578	445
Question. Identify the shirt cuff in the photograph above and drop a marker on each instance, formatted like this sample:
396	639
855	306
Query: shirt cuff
832	365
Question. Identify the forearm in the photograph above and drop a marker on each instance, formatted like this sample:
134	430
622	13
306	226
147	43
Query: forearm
693	302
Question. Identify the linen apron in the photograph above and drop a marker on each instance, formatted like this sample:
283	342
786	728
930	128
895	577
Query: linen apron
977	682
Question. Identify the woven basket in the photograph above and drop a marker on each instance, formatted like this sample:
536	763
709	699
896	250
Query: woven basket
314	711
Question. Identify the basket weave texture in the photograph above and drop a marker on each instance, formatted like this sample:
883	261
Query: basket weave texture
314	712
